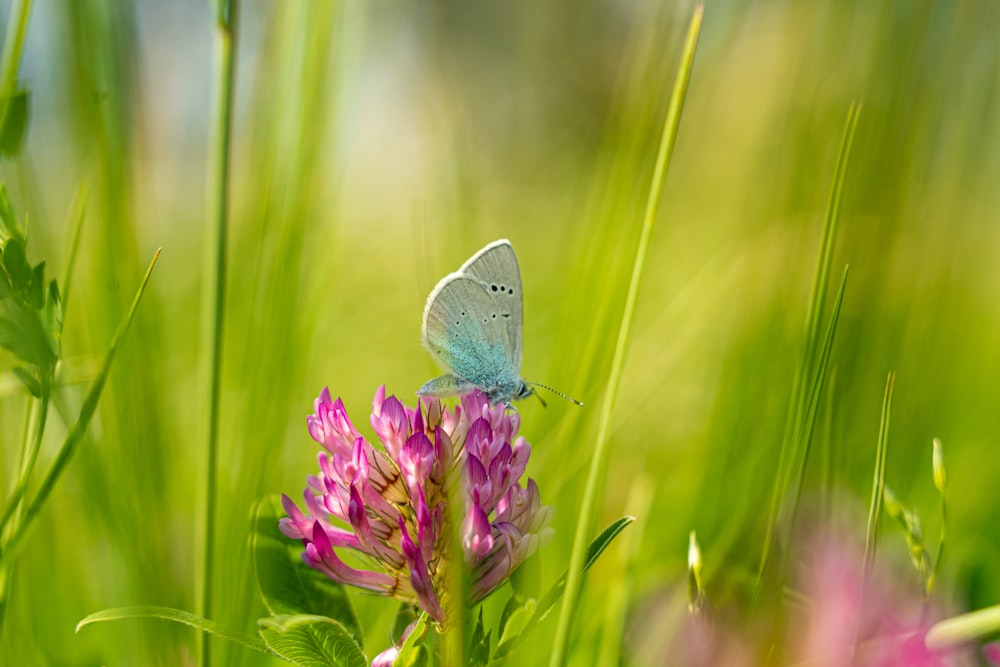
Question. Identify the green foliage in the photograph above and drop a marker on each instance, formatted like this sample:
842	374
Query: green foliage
286	584
13	122
30	309
375	147
311	641
174	616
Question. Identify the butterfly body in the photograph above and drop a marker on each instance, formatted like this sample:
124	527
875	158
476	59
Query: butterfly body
473	326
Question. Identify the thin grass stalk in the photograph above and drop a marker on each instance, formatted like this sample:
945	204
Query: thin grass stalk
790	460
822	366
878	482
598	464
31	444
878	491
79	428
78	211
7	571
214	286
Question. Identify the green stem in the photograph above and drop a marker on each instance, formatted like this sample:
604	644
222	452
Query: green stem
76	226
598	463
78	430
29	455
215	286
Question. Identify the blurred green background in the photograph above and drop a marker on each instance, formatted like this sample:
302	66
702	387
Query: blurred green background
377	145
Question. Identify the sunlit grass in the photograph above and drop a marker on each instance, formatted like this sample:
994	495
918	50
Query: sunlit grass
375	147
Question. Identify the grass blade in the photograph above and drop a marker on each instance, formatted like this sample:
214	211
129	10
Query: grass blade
807	385
79	428
878	483
598	464
215	286
176	616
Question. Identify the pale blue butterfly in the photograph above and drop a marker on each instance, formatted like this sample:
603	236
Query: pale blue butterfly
472	326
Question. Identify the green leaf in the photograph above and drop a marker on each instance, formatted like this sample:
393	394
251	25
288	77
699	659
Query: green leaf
22	332
515	625
15	123
514	603
405	615
286	584
176	616
15	260
529	615
594	552
30	380
413	652
309	640
479	646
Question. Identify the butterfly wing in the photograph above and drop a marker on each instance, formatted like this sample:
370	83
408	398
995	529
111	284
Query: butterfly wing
495	268
463	330
473	319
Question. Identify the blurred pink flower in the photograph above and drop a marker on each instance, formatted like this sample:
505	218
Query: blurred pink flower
853	620
390	505
836	617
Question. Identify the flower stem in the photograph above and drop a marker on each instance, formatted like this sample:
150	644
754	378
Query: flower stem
598	463
215	284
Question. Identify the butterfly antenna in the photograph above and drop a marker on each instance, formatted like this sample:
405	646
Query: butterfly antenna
557	393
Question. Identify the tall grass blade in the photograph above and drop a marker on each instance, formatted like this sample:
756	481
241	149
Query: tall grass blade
878	494
175	616
598	465
807	385
215	283
878	481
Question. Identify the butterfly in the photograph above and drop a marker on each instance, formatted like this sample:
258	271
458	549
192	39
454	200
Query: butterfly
472	326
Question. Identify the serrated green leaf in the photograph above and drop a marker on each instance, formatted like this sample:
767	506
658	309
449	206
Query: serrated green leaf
15	260
30	380
22	333
286	584
15	123
309	640
176	616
